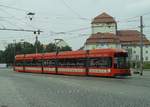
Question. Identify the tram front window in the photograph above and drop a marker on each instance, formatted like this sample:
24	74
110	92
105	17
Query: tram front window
121	62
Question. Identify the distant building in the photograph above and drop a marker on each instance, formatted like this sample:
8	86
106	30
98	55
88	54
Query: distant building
105	35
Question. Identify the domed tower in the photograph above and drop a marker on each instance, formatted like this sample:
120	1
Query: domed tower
104	23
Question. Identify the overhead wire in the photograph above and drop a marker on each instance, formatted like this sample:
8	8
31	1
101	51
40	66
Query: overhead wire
80	29
17	19
14	8
4	19
9	22
70	8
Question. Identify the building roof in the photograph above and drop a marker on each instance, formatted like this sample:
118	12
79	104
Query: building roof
103	38
103	18
131	37
125	37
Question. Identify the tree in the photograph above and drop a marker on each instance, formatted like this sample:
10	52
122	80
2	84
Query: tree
51	47
7	56
29	48
2	58
66	48
18	48
39	46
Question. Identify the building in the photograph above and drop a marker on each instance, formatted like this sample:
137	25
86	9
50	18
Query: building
104	23
105	35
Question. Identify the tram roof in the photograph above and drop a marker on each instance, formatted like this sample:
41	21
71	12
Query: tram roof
71	54
19	57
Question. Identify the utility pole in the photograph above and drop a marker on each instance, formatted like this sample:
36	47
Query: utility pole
36	40
141	45
14	42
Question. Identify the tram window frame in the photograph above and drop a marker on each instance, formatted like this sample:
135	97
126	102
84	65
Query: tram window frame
101	65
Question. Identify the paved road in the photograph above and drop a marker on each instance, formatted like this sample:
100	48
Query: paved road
41	90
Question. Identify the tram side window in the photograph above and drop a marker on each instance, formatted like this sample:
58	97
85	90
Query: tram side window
104	62
28	63
66	62
81	62
20	63
33	63
49	62
37	63
71	62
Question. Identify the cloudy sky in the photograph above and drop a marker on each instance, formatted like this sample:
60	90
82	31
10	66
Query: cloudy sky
67	19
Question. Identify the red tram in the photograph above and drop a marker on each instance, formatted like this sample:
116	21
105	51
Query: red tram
99	62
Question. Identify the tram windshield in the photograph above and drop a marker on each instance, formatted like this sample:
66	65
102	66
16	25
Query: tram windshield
121	61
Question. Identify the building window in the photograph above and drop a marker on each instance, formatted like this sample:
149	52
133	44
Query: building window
146	58
137	57
146	46
146	51
109	26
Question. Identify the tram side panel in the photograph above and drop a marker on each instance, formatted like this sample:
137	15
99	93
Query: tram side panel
71	70
71	66
49	66
18	68
33	69
33	66
100	66
49	69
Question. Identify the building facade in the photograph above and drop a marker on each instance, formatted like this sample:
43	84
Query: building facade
105	35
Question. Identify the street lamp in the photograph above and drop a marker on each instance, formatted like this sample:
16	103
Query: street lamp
31	15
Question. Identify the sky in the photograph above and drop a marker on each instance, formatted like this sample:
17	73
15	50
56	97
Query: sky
67	19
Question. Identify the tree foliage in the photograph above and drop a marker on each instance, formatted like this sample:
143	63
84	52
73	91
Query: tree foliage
7	56
53	48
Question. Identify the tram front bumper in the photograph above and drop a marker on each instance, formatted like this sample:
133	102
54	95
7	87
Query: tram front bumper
122	73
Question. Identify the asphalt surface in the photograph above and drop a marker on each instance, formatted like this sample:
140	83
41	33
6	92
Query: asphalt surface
42	90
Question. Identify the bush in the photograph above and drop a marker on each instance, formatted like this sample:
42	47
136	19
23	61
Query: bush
146	65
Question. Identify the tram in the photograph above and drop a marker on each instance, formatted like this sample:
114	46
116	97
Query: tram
98	62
